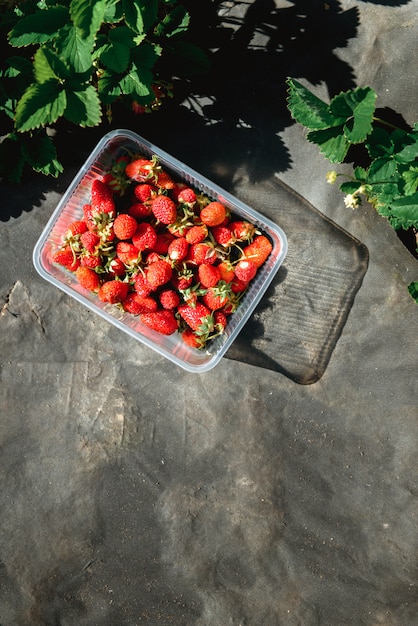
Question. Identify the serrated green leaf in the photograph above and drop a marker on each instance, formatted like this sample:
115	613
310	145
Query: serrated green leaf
40	153
174	23
108	87
42	68
405	209
140	15
382	169
38	27
381	196
123	35
379	143
413	290
357	106
115	57
360	174
309	110
409	152
331	143
137	83
83	107
350	186
75	49
411	181
41	104
48	65
87	15
145	56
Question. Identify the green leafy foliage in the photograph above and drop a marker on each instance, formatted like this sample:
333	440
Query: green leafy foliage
390	181
76	59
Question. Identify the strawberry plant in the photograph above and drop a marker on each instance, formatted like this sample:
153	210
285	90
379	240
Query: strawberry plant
73	60
389	180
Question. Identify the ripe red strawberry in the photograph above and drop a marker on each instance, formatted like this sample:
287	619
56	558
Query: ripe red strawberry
162	321
137	304
213	214
163	242
196	234
90	260
141	285
201	253
178	249
144	191
88	278
186	196
208	275
140	169
217	297
169	299
238	286
139	210
158	273
183	279
66	257
163	180
101	197
127	253
245	270
164	209
198	317
192	339
113	291
258	250
223	235
242	230
90	241
78	227
115	267
220	320
124	226
145	237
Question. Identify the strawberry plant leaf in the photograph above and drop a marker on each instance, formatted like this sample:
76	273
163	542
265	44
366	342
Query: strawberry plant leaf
41	105
115	49
75	49
409	152
47	65
411	181
38	27
140	15
137	82
83	107
12	160
309	110
413	290
331	143
87	16
382	170
405	210
108	87
357	106
174	23
40	153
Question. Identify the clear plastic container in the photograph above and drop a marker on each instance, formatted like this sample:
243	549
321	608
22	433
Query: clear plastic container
110	147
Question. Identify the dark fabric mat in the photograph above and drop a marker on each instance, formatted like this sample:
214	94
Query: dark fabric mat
297	324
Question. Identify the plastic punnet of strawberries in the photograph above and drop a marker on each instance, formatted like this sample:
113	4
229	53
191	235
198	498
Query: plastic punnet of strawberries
159	250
